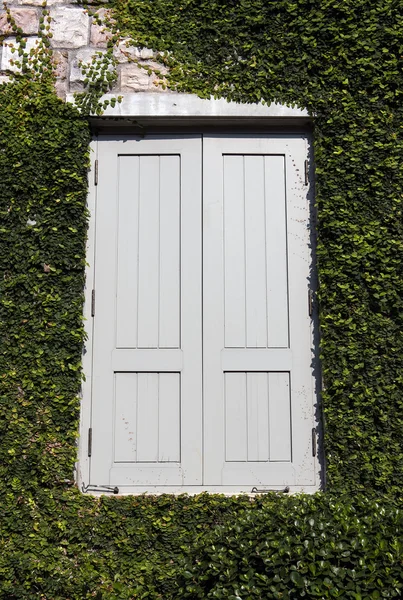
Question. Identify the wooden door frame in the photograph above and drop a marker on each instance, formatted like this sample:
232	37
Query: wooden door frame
175	114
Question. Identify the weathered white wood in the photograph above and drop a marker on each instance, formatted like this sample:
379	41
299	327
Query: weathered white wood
288	246
169	418
147	417
152	365
125	431
161	360
169	402
148	271
258	416
279	417
104	338
256	359
234	250
127	251
191	305
277	269
226	490
169	284
255	251
137	477
260	474
236	417
299	261
213	311
83	463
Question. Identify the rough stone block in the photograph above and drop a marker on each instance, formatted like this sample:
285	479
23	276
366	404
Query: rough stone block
8	56
146	53
99	35
61	63
85	55
124	52
136	79
61	89
40	2
4	79
152	64
25	18
70	27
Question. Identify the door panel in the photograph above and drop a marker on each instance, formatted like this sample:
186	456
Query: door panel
202	386
257	379
255	251
257	417
147	392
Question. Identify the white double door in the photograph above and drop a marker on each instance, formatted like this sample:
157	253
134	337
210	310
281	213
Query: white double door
202	373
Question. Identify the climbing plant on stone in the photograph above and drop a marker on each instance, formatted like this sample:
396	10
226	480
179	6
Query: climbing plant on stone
343	61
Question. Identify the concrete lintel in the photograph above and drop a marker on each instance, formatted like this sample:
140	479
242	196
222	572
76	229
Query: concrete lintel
188	105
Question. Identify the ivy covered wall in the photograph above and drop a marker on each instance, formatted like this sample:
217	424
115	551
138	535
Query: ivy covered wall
343	61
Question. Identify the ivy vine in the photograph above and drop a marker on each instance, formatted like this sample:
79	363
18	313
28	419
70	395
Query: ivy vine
342	59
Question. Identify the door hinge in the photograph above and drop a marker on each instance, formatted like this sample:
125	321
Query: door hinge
256	490
96	172
93	303
102	489
306	170
90	441
313	441
310	302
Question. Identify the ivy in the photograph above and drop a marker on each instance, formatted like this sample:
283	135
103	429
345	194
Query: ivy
343	61
43	185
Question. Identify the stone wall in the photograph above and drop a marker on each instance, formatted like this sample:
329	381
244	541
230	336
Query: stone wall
76	36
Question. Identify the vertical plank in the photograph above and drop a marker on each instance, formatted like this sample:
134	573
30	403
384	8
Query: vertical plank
235	417
277	274
127	240
258	416
255	248
280	417
234	252
148	269
169	309
125	417
147	417
169	417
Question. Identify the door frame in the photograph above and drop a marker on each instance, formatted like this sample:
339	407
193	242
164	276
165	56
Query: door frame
175	114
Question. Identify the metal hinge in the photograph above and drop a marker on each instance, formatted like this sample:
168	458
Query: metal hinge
313	441
306	170
103	489
256	490
90	441
310	302
96	172
93	303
